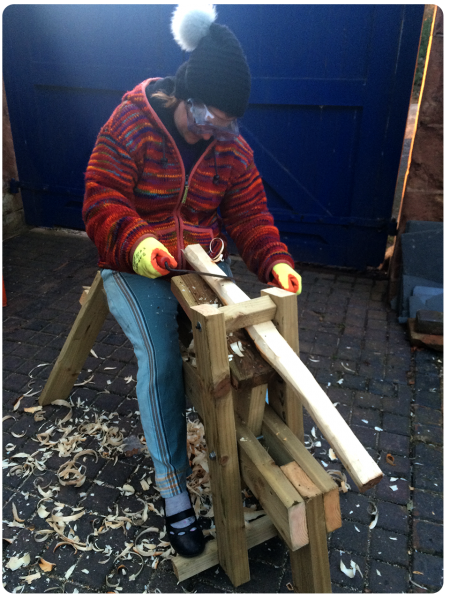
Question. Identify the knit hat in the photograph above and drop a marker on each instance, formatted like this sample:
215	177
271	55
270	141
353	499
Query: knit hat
216	72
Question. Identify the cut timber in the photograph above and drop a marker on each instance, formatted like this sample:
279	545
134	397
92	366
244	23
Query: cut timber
218	417
282	503
249	405
78	344
285	447
309	565
282	398
358	462
257	532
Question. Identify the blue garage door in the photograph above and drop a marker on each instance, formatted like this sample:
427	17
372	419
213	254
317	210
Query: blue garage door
330	93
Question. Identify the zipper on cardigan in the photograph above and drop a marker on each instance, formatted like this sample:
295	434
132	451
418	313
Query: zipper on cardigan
186	189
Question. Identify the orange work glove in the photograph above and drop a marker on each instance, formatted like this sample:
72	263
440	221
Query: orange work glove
286	278
146	255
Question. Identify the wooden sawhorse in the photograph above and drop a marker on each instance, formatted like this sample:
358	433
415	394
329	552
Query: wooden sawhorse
300	499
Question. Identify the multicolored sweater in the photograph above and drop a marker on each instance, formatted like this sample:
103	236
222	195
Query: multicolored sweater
136	186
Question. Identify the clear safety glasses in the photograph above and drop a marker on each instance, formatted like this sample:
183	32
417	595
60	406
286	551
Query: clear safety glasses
202	121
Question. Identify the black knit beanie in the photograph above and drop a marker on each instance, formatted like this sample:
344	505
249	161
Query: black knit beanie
216	72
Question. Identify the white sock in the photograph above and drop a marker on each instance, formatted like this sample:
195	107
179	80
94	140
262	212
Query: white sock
176	504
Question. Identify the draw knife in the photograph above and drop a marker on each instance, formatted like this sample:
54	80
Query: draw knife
188	272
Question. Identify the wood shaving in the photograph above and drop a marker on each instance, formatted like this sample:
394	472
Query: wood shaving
390	459
372	509
350	572
237	348
45	565
17	562
30	578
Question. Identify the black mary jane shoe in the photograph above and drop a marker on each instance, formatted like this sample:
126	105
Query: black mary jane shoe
186	541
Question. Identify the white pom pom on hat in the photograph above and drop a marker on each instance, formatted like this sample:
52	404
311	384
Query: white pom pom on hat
191	22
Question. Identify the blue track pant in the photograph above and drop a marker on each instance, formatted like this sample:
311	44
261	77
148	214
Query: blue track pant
147	310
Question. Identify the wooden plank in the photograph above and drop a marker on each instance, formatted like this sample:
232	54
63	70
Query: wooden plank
282	397
257	532
251	312
310	565
282	503
358	462
78	344
220	433
249	405
285	447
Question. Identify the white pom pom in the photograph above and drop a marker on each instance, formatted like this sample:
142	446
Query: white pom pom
191	22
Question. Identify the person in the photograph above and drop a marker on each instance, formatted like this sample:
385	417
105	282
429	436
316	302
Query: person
169	169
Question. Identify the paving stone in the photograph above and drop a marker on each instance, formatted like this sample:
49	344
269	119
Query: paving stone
388	579
401	467
354	507
394	443
354	382
428	570
100	498
367	400
274	552
428	433
392	517
116	474
384	491
389	546
427	537
381	388
366	417
398	406
337	576
429	399
428	477
428	506
427	416
348	536
367	436
396	424
427	453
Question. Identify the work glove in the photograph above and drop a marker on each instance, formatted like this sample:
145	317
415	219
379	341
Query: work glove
286	278
149	258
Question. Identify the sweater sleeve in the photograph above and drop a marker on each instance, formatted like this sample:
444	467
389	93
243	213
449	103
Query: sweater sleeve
109	212
250	225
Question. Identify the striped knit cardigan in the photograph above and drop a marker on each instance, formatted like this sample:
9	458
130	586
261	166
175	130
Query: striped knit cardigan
136	186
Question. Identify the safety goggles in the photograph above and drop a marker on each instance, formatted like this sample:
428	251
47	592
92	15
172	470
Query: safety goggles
202	121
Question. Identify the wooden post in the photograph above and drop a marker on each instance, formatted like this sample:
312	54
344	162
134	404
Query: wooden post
78	344
249	405
218	414
282	397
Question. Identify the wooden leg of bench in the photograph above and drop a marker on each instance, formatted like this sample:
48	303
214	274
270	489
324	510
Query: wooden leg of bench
220	431
78	344
281	397
310	565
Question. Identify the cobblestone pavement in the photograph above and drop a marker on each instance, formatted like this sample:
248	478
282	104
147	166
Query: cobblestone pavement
349	339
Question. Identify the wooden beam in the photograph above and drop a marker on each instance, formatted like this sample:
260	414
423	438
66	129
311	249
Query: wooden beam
78	344
285	447
249	405
220	433
282	503
310	565
282	397
358	462
257	532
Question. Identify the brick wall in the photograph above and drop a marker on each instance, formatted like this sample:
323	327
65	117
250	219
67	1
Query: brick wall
13	213
423	198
